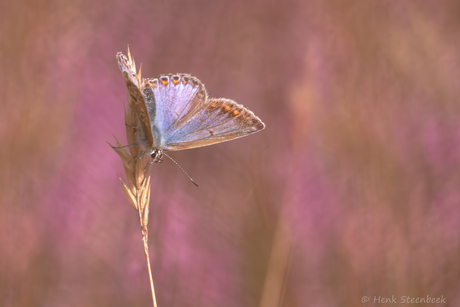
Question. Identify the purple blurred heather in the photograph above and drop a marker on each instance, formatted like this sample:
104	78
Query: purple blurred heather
353	188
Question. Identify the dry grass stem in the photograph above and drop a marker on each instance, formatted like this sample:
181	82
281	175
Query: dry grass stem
137	190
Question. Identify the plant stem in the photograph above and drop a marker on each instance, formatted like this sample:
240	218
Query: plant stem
146	251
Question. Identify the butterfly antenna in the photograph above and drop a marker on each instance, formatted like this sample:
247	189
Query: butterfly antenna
182	170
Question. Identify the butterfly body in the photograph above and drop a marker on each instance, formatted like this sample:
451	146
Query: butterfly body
175	113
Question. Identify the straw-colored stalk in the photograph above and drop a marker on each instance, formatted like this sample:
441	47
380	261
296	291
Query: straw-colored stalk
138	188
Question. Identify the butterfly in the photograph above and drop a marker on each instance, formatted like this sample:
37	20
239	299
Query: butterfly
174	112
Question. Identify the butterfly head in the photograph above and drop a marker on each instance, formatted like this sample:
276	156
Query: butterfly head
157	156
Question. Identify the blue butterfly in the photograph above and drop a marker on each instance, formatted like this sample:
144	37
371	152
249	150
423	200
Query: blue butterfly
175	113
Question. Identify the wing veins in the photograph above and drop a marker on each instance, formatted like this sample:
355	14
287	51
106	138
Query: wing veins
181	115
208	127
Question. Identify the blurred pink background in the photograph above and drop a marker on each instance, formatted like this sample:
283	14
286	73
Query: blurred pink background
352	190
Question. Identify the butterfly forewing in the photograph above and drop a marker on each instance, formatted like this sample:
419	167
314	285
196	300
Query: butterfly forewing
218	120
136	101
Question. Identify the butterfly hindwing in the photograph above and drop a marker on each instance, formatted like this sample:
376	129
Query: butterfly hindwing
175	98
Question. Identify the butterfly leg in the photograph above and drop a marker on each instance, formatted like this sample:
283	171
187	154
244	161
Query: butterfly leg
129	145
138	158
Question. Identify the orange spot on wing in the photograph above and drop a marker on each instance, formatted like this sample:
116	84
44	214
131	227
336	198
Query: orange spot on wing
164	81
175	79
227	108
235	112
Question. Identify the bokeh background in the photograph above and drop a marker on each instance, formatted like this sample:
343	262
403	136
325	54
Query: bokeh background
352	190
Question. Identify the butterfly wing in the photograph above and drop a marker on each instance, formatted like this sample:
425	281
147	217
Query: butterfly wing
136	99
183	117
171	100
217	120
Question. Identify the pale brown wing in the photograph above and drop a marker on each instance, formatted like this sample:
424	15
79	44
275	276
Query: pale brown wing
136	99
